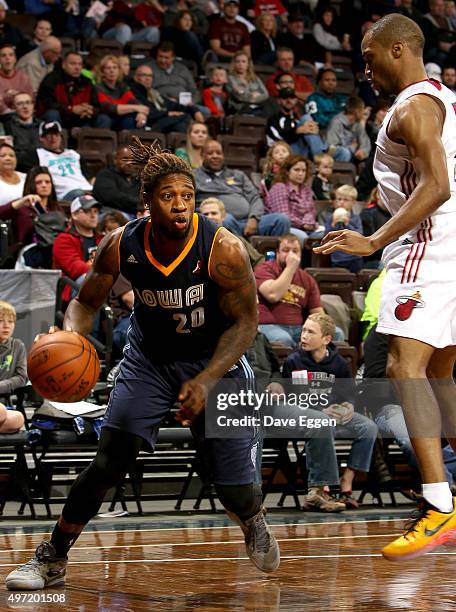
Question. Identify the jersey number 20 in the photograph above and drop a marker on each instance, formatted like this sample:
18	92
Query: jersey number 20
196	320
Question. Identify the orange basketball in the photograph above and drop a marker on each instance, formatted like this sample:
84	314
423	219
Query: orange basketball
63	366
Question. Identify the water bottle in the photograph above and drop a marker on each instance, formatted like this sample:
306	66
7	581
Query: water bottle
269	256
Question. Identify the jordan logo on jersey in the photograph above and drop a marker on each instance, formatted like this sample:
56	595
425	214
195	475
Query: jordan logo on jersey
407	304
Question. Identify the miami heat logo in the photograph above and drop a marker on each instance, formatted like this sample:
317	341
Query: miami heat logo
406	305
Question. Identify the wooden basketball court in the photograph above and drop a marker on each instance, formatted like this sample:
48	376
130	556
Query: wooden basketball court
328	563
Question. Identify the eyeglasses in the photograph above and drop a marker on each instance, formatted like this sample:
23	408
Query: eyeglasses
144	74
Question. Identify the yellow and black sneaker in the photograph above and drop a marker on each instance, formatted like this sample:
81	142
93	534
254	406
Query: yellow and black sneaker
426	530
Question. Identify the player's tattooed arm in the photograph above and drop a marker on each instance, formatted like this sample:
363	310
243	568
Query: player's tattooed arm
230	268
95	289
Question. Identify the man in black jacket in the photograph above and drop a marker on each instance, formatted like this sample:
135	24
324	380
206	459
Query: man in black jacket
116	187
165	115
67	96
23	127
301	133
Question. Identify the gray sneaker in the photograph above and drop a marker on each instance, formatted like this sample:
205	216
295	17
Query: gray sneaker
318	500
260	543
45	569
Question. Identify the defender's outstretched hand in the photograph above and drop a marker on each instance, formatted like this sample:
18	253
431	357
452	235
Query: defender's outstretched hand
347	241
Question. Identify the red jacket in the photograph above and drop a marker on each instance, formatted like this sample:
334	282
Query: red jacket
68	256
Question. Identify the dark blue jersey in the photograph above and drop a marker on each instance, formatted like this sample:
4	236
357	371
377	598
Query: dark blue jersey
176	316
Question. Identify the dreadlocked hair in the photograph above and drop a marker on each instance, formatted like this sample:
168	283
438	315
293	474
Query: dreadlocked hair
153	163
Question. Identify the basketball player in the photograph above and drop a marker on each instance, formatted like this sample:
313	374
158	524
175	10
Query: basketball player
194	317
415	169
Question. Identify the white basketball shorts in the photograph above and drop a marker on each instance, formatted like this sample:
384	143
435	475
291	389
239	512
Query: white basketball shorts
419	291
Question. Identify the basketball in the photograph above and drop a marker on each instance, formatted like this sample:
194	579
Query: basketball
63	366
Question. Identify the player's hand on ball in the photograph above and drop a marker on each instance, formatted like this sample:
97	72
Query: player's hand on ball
192	398
347	241
52	330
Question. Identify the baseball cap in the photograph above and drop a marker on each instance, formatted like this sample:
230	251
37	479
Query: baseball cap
232	2
49	126
85	202
433	71
287	92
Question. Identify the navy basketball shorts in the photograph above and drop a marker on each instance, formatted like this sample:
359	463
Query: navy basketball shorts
144	393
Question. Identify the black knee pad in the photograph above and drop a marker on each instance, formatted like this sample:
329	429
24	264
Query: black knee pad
243	500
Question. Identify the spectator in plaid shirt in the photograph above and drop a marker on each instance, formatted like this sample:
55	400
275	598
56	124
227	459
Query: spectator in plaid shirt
291	194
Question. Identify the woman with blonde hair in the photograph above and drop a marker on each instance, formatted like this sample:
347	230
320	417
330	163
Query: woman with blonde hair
262	40
116	98
197	135
247	93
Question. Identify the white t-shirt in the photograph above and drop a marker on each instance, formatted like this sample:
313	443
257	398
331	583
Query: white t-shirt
8	192
65	169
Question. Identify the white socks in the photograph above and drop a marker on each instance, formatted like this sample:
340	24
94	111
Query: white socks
439	495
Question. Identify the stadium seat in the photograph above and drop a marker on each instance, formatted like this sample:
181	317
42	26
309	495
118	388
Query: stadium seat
316	260
248	126
264	243
335	281
350	354
23	22
344	178
341	61
100	47
146	136
247	165
95	141
281	351
174	140
264	71
365	277
345	81
241	148
68	44
347	168
138	49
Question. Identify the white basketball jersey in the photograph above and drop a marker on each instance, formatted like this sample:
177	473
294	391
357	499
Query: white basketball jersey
393	167
65	169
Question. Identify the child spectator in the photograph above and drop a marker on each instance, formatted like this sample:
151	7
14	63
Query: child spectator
13	367
111	221
344	218
321	184
215	96
275	157
318	354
